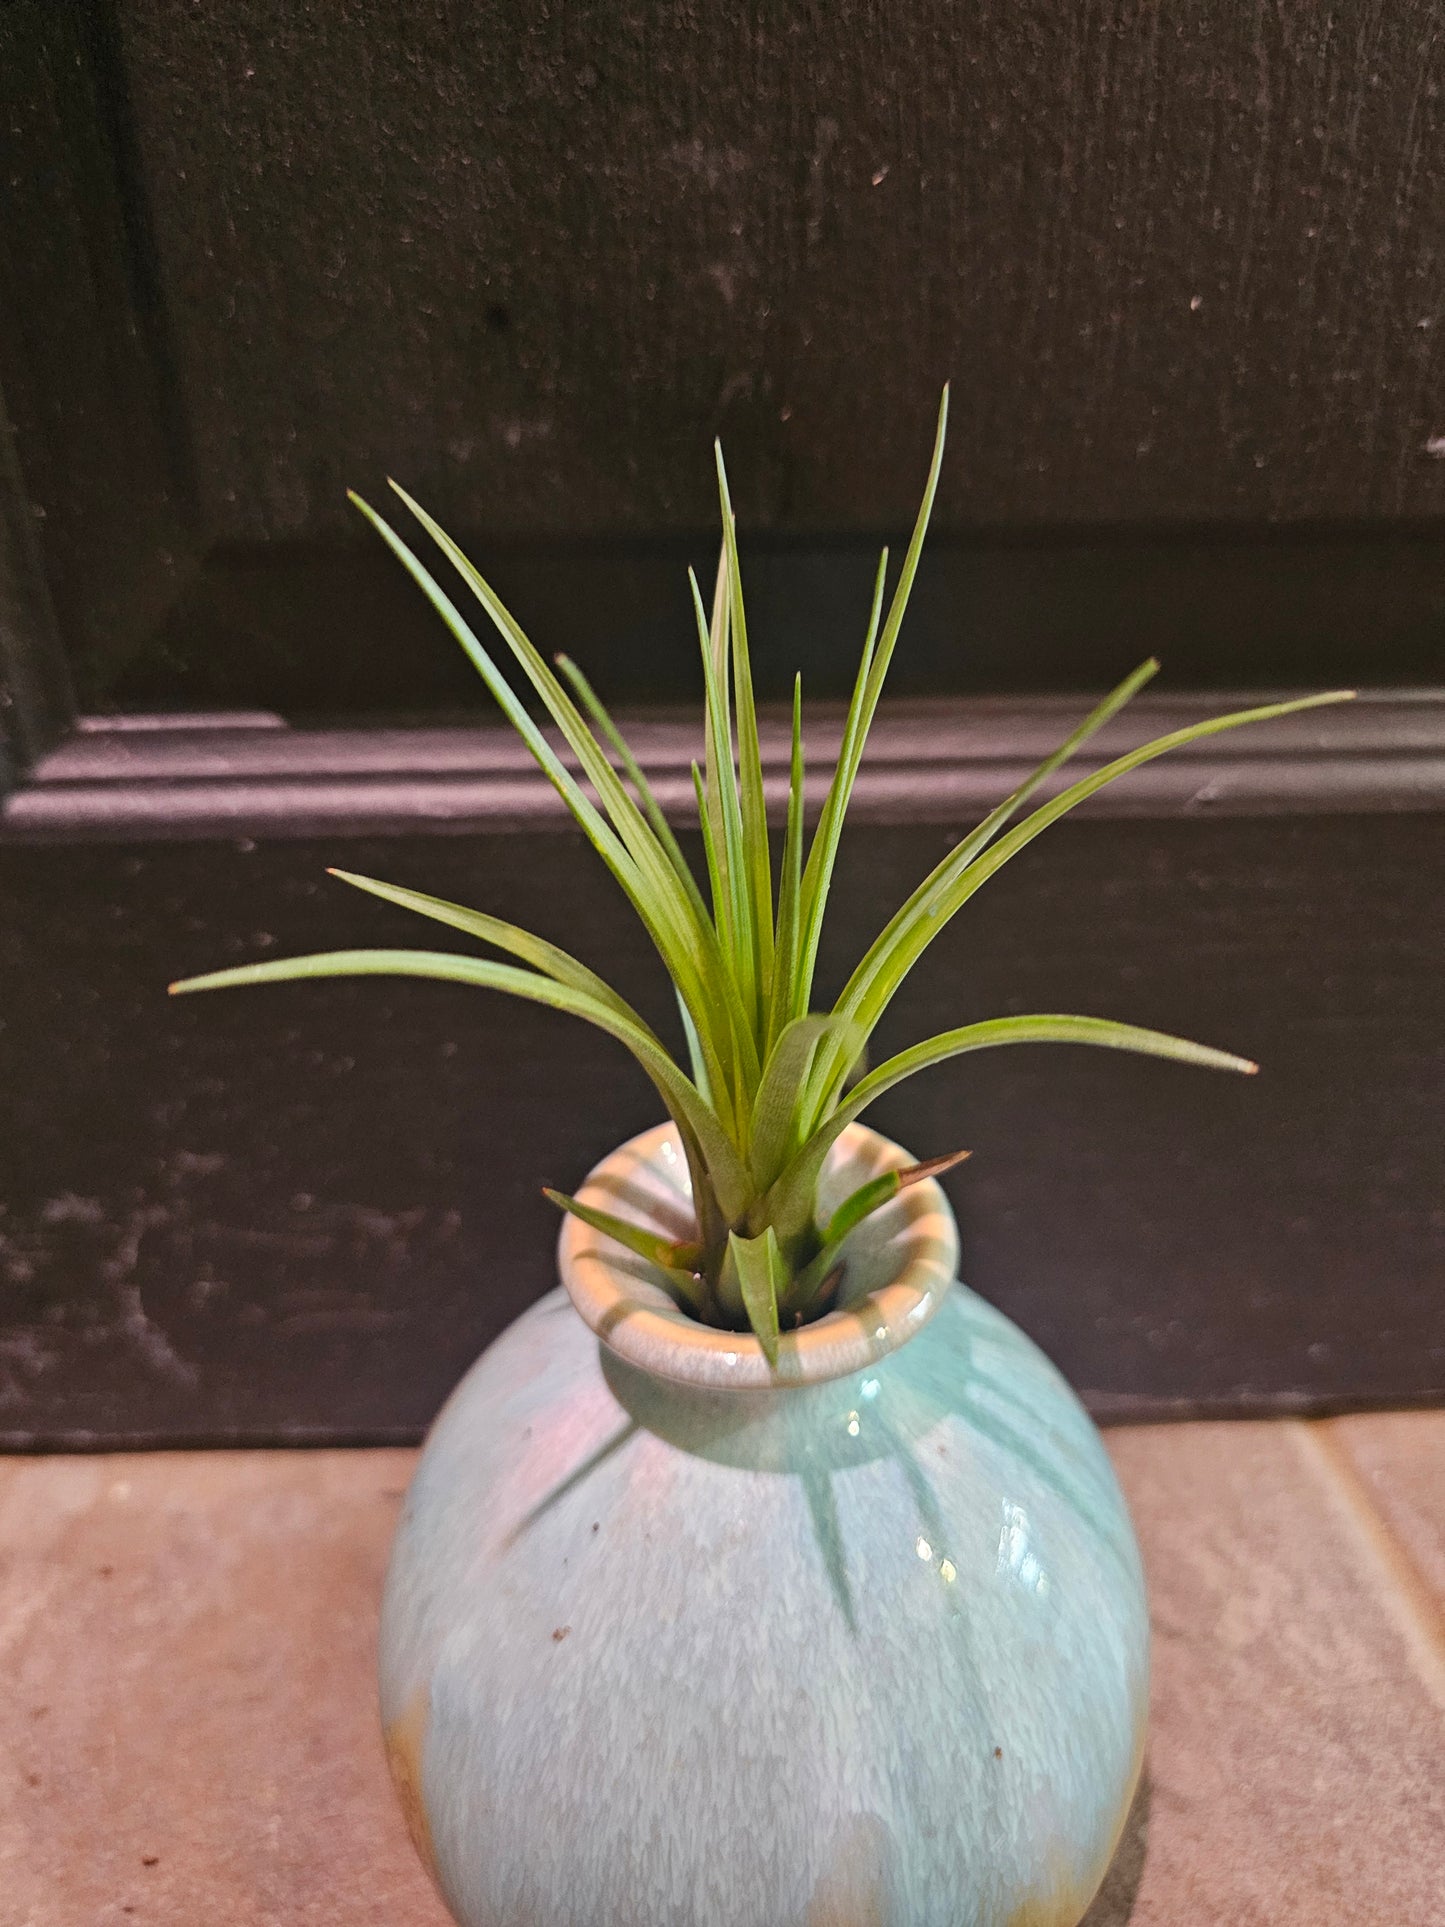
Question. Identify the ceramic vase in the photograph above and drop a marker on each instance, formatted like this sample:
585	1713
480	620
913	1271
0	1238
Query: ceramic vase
670	1636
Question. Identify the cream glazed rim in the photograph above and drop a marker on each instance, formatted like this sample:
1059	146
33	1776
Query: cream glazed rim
903	1260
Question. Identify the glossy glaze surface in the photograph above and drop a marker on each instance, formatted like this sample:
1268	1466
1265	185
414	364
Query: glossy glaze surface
871	1649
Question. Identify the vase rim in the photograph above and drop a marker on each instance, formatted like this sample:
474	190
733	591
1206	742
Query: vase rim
637	1319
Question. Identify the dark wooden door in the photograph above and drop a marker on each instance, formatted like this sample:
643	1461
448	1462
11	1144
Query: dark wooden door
1183	270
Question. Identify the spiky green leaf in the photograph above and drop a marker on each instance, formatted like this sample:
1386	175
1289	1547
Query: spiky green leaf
877	979
593	705
828	1072
785	1000
685	1103
758	866
677	1260
776	1107
872	673
674	916
542	956
723	810
762	1278
808	1286
789	1202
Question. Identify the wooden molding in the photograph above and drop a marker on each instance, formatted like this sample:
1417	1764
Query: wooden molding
928	762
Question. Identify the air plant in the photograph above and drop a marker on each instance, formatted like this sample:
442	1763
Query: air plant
770	1081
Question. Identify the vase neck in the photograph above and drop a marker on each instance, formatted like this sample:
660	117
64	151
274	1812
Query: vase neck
897	1266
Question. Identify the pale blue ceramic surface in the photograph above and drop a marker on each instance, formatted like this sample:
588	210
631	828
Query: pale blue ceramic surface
866	1650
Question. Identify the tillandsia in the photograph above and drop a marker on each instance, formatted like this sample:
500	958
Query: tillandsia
769	1082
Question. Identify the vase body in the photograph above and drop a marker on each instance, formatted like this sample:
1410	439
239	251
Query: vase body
869	1648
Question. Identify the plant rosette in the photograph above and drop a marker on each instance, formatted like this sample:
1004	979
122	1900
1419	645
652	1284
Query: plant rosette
788	1583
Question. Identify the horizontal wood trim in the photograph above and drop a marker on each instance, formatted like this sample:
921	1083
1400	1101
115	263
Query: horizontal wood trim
928	762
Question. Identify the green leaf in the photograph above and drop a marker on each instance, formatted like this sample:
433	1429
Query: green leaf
878	1191
681	931
775	1111
784	1003
602	837
717	711
750	763
903	589
740	1033
685	1103
823	853
788	1204
734	910
626	816
876	981
716	860
868	689
679	1262
712	1227
762	1277
878	669
543	956
860	1204
694	1052
828	1071
652	809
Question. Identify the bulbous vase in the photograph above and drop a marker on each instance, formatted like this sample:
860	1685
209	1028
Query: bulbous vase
674	1637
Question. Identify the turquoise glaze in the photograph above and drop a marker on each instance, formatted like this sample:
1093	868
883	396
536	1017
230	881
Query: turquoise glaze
665	1642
